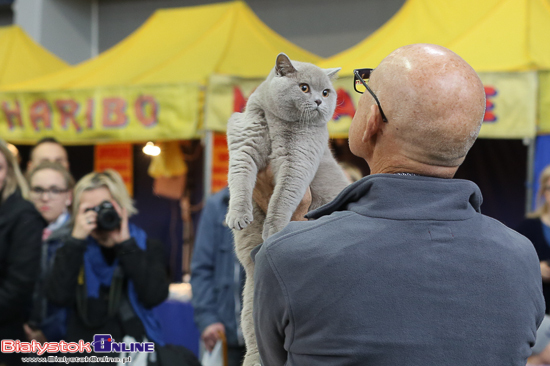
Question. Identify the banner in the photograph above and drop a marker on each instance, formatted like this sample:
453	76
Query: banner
511	103
220	162
119	157
128	114
544	102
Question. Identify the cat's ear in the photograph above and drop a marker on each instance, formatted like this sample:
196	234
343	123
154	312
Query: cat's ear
283	66
331	73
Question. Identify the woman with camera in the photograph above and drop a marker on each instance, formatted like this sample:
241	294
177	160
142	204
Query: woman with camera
20	237
108	271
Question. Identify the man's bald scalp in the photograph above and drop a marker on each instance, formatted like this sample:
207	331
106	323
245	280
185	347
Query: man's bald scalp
434	101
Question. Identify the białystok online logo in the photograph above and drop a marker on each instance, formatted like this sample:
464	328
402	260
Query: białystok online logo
102	343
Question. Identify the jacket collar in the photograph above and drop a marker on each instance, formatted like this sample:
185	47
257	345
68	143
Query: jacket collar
407	197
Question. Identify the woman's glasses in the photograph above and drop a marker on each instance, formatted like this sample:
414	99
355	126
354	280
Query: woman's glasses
52	192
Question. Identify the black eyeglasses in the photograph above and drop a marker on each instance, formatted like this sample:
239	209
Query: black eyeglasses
52	192
360	75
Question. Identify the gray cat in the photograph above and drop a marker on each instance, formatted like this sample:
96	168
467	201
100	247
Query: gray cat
284	125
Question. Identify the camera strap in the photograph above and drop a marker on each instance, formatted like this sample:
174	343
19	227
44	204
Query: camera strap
115	294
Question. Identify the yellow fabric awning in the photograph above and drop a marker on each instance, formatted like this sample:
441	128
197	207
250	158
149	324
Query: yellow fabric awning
496	37
491	35
151	79
22	59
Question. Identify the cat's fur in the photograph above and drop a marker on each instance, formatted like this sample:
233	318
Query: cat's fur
284	125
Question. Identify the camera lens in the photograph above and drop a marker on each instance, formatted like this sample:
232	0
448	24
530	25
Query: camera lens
107	217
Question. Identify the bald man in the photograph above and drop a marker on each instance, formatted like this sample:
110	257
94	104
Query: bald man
402	268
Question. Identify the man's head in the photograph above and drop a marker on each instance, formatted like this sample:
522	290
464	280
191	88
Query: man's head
48	149
434	102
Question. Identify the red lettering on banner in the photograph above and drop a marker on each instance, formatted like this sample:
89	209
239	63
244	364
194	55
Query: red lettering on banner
239	101
344	105
490	116
90	113
13	115
68	110
40	111
143	104
114	113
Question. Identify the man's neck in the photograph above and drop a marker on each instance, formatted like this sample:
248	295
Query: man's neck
394	166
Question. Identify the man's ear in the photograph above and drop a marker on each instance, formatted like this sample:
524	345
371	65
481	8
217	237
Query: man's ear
374	124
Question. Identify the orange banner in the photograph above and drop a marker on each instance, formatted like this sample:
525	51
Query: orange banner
119	157
220	162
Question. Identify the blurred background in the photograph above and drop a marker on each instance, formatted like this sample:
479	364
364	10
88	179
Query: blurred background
93	46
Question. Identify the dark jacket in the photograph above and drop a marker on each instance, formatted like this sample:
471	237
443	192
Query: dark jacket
216	293
21	229
145	269
532	230
398	270
51	319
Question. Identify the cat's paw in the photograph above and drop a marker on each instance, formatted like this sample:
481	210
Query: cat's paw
252	360
238	220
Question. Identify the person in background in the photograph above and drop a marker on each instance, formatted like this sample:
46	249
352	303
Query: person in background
51	188
352	172
217	280
48	149
537	229
108	271
21	229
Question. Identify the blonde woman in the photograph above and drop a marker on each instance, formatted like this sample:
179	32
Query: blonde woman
108	270
51	191
21	229
537	229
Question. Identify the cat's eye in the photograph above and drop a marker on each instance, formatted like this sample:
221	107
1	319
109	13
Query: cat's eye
304	88
326	92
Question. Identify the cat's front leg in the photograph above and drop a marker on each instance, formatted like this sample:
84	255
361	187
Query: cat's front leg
291	183
246	138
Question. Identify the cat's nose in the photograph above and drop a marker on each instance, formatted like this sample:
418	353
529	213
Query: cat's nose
318	101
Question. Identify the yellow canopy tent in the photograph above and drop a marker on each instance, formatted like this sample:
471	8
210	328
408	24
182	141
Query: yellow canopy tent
22	59
504	40
149	85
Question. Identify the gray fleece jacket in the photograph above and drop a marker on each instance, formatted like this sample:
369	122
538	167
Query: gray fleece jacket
398	270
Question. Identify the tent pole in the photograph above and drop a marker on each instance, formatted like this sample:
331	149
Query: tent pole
530	143
94	41
208	145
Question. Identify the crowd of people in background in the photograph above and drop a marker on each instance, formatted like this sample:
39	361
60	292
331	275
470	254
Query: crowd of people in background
71	264
66	275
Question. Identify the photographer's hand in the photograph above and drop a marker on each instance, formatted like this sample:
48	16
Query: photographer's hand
123	233
84	223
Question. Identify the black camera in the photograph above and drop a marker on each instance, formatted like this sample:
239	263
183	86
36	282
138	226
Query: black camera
107	217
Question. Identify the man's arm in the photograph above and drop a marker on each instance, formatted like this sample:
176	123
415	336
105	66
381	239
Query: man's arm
271	313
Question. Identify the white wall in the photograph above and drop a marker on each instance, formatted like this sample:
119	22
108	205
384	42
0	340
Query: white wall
61	26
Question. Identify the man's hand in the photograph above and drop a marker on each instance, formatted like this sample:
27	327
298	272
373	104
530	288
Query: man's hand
211	334
264	189
31	334
545	271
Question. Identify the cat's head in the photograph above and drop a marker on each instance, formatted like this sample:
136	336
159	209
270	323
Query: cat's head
301	91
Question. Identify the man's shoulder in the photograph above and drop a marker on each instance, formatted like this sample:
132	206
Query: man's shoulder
299	235
506	242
